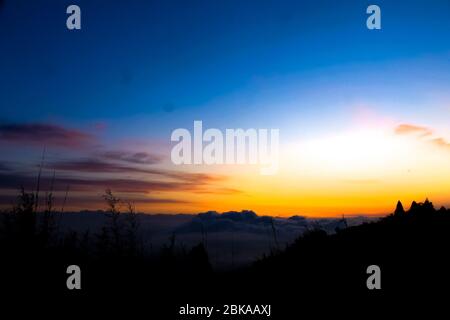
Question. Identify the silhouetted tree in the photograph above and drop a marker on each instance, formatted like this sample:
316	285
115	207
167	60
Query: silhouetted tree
414	207
428	207
399	211
113	214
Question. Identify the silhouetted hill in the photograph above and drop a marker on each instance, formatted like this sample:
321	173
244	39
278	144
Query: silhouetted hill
409	247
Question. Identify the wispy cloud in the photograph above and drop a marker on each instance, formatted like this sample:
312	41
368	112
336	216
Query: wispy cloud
423	133
413	129
97	184
43	134
132	157
100	166
11	181
441	142
138	174
97	165
220	191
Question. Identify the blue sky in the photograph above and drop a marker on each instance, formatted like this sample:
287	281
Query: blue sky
144	58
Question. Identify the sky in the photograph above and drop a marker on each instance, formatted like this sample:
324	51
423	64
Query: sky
362	114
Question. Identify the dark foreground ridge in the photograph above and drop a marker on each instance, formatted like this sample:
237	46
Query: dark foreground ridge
411	249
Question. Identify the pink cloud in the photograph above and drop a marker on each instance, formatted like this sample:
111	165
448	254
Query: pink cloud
422	132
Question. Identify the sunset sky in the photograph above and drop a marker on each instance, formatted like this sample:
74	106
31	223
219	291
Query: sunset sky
364	115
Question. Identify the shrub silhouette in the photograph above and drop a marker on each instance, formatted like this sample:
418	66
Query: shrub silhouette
28	236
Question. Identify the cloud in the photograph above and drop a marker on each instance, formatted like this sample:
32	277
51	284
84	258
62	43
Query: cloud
96	165
43	134
232	221
249	222
441	142
196	184
422	132
410	129
14	181
85	192
132	157
220	191
101	166
118	170
195	177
